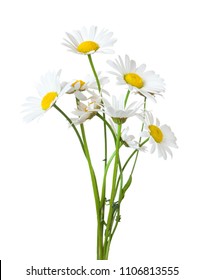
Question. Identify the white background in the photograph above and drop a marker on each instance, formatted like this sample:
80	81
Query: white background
46	204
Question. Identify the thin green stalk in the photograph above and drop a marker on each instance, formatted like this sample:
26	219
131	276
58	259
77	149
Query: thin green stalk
99	89
126	98
105	175
113	191
94	72
105	140
117	215
103	195
135	161
104	189
73	126
111	234
108	125
145	101
129	158
93	177
107	249
120	196
95	191
145	104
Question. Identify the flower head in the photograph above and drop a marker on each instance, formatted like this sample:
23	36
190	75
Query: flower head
138	80
128	139
86	41
161	136
117	110
79	87
86	111
49	89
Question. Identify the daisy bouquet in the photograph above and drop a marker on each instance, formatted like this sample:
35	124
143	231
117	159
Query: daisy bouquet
93	101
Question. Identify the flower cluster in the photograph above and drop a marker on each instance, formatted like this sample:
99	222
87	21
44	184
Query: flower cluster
136	79
136	86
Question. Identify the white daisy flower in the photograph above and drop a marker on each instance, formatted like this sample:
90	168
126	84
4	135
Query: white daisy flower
86	111
117	110
90	41
49	90
128	139
89	84
138	80
161	136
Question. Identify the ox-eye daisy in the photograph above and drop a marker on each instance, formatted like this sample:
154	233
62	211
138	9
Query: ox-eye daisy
136	78
86	41
86	111
50	90
117	110
161	136
89	84
128	139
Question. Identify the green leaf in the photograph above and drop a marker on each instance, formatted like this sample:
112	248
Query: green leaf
127	185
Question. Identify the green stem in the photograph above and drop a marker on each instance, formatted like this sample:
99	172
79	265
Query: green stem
93	178
126	98
105	174
120	195
94	72
112	231
120	198
95	191
104	177
104	117
113	194
108	125
73	126
129	158
105	142
145	101
117	213
145	104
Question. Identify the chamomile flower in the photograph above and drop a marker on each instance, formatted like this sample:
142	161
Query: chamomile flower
49	90
86	41
128	139
138	80
89	84
86	111
161	136
117	110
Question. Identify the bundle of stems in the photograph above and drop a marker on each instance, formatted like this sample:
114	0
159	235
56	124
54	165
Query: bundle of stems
109	208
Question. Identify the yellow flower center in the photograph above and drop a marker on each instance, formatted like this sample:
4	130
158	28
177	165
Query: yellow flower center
87	46
134	80
78	81
86	109
156	133
48	100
